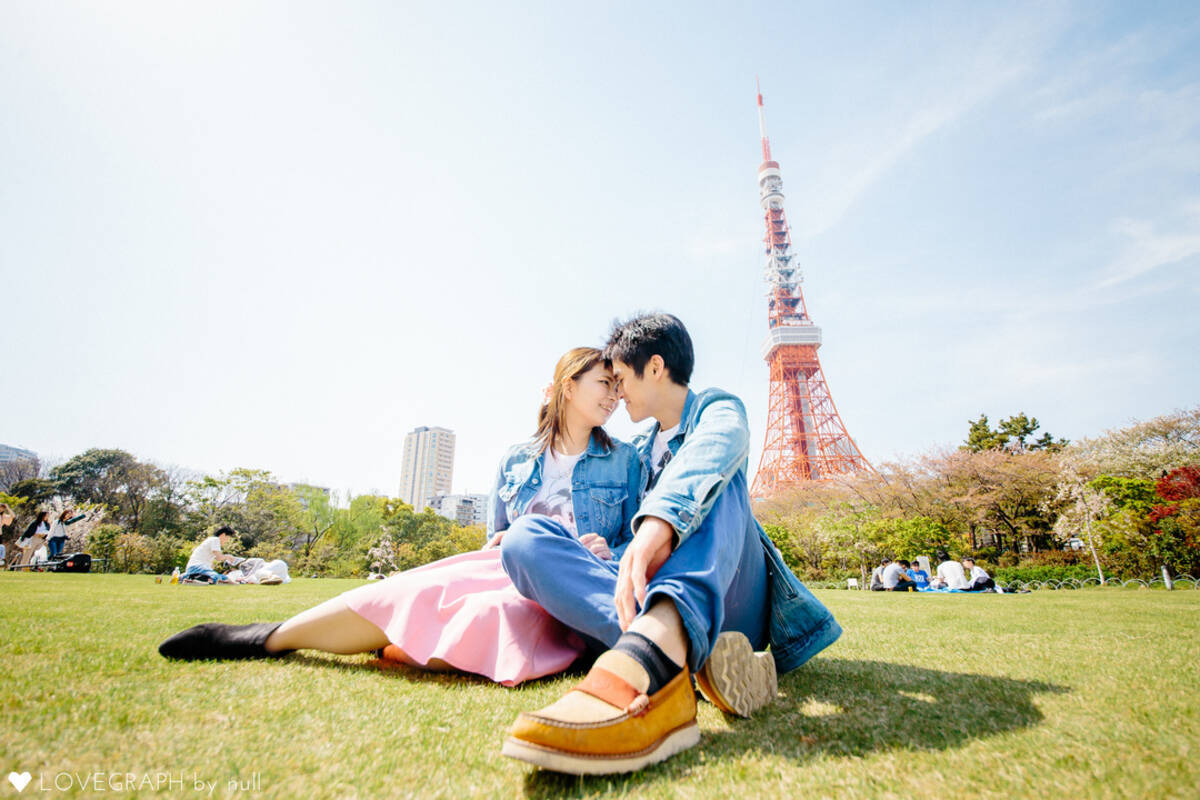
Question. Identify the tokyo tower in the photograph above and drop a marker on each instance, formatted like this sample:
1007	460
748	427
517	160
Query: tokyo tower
806	439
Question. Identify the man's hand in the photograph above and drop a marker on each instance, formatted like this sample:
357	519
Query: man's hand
494	541
649	550
597	544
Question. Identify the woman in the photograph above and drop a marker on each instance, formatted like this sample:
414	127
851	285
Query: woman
463	612
7	518
33	538
58	532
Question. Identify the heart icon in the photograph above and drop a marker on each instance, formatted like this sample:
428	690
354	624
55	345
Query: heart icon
19	781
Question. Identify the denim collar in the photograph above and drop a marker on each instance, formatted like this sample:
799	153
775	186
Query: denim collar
685	419
594	447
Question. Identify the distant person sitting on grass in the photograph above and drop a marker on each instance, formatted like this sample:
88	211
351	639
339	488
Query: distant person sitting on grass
877	575
980	580
950	574
895	579
200	565
918	576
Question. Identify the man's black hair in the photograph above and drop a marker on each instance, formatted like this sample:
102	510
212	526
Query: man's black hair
904	563
224	529
942	555
634	341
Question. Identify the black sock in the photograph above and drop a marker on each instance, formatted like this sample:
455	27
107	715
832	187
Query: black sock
658	666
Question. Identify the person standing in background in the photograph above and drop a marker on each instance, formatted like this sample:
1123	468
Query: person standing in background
7	519
33	538
58	532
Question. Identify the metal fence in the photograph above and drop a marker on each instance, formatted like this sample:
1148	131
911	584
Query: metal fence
1183	582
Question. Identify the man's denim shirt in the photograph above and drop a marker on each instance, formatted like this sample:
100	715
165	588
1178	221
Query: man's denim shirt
605	488
711	447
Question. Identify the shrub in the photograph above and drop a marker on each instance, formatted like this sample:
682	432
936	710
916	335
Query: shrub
1077	572
1055	558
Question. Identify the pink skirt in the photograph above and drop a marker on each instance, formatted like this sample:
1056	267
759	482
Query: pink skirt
465	611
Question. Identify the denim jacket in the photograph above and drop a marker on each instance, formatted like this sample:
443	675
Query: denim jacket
711	447
606	486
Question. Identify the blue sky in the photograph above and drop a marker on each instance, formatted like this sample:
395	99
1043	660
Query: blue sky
281	235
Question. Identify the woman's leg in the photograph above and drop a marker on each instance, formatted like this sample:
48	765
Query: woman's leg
331	627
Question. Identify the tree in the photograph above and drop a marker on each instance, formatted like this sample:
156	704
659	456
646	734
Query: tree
318	515
13	472
980	436
1144	449
1012	433
1084	501
35	490
112	478
1006	493
1176	540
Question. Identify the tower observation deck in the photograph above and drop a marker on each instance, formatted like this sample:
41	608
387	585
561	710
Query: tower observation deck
806	439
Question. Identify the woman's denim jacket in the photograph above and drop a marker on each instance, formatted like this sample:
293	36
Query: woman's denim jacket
606	486
712	446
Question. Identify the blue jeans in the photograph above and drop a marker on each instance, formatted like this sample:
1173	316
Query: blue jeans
54	547
717	578
197	571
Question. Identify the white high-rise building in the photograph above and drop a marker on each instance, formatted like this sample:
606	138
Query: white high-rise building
428	466
465	509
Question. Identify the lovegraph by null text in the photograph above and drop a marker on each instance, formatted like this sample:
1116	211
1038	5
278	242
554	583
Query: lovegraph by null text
192	784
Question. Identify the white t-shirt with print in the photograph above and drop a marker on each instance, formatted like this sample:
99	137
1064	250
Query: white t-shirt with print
204	553
662	441
553	498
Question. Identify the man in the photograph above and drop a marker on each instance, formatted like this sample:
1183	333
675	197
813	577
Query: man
895	578
699	588
877	575
980	580
200	564
950	574
919	576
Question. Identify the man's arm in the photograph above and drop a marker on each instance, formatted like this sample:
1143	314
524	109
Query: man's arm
708	458
685	492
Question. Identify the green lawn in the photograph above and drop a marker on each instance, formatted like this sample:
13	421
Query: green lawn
1088	693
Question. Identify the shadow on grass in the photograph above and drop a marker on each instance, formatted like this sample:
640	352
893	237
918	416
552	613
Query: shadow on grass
398	670
844	708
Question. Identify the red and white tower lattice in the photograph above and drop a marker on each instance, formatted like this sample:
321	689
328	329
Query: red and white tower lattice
806	439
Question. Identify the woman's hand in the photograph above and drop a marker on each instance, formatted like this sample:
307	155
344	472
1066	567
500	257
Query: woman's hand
494	542
597	544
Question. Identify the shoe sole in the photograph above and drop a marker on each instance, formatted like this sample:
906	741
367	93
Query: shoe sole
736	679
674	742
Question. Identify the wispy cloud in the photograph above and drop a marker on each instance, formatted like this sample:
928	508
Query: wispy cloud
969	75
1149	248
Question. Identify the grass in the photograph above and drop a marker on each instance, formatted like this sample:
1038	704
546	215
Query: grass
1089	693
